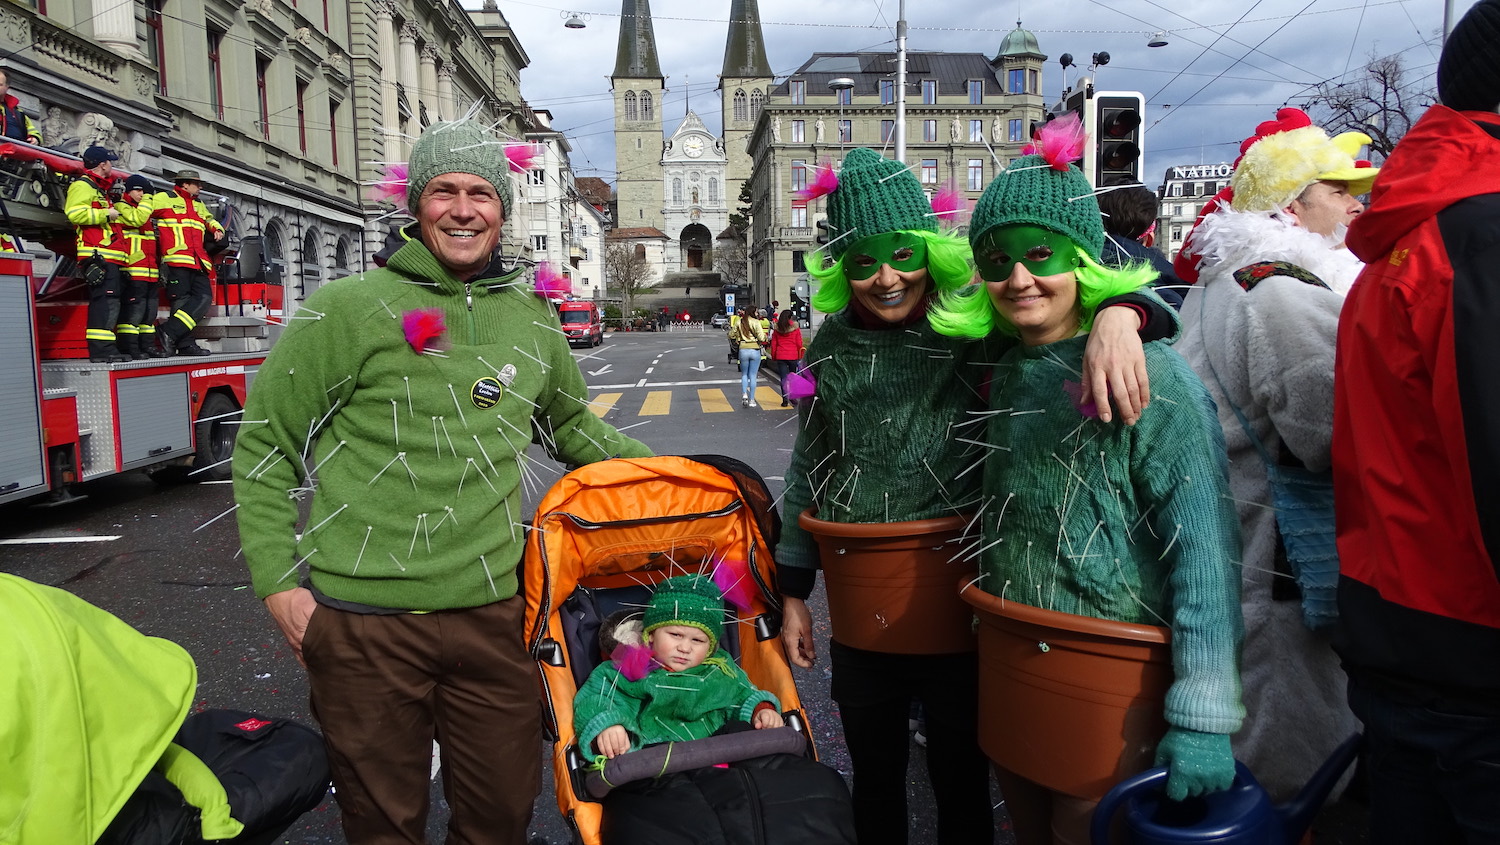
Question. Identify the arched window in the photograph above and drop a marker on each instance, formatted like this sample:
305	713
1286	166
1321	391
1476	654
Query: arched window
741	106
630	113
341	257
312	261
677	192
757	99
713	190
646	112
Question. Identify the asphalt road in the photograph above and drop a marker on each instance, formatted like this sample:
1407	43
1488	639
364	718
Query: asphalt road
162	555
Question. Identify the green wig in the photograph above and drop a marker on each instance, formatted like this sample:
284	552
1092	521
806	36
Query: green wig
949	266
968	312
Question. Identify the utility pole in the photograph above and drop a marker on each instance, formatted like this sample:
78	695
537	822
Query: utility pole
901	83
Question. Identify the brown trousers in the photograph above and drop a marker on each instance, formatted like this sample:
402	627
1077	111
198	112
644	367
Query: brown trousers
384	687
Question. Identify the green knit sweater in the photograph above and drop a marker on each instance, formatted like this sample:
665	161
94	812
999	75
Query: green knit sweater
419	457
1131	523
882	440
665	706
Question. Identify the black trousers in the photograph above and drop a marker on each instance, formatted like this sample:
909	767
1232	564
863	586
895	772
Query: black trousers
874	692
104	302
191	293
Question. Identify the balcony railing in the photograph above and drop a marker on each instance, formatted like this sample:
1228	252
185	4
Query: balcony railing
795	233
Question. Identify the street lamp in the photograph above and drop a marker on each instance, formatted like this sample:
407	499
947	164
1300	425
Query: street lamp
838	86
574	20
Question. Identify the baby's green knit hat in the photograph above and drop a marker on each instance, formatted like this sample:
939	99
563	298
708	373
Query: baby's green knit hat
875	195
692	600
1033	192
463	146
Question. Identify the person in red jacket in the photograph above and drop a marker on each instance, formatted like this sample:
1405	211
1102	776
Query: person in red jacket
786	349
141	298
183	223
1416	460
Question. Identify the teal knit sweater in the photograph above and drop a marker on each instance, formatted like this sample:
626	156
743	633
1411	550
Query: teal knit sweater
416	498
883	439
1131	523
665	706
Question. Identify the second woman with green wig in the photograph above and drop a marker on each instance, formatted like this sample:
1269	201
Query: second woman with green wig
890	434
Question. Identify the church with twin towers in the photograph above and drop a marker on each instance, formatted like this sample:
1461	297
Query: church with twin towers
674	193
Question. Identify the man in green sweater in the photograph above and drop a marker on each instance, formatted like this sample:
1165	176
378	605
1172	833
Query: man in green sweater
402	402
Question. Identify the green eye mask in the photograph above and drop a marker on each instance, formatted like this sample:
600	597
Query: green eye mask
904	251
1044	252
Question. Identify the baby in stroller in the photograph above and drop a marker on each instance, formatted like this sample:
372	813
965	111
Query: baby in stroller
668	688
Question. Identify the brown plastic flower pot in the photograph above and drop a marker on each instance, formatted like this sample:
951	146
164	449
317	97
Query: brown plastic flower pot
1073	703
890	584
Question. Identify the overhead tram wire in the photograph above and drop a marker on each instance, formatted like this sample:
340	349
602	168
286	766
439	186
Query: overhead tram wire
1355	40
1232	39
1154	27
1216	40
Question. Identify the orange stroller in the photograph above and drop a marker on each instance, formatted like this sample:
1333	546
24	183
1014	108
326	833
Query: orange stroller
603	537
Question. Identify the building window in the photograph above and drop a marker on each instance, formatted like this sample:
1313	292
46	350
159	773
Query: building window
156	43
929	171
887	130
262	70
799	215
1176	234
677	192
799	132
929	91
799	261
713	190
333	131
976	131
631	112
844	96
536	177
929	130
1015	130
1017	81
976	92
976	174
757	100
1035	76
647	112
1176	189
846	132
302	116
539	243
325	16
741	106
215	73
798	88
799	174
1177	210
887	92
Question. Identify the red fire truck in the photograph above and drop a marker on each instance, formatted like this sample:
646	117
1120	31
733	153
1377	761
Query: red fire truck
67	420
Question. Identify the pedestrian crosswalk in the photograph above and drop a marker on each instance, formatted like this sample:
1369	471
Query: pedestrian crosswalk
705	400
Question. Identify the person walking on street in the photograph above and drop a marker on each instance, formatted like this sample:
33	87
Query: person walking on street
786	349
1415	468
750	334
137	327
182	224
100	251
409	619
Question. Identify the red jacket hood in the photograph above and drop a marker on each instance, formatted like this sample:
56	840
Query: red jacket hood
1446	157
11	102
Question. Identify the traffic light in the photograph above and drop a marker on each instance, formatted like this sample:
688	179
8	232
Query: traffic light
1118	145
822	227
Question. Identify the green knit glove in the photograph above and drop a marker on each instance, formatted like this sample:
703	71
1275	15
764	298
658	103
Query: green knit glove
1197	762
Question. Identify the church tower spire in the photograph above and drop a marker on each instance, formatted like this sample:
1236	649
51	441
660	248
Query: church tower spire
638	87
744	85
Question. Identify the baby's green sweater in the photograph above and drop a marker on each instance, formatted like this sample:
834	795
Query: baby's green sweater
416	499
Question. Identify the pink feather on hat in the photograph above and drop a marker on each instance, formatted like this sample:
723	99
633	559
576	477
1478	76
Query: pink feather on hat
823	184
732	577
633	660
800	385
551	284
1060	141
424	328
392	185
520	156
949	205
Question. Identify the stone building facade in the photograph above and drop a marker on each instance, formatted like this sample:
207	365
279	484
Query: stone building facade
1184	192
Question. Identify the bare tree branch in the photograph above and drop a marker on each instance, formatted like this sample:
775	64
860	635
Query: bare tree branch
1380	102
627	271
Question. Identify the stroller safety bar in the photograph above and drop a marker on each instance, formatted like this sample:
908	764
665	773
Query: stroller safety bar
663	759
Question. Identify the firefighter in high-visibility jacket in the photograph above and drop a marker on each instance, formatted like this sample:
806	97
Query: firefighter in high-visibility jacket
100	254
139	303
182	224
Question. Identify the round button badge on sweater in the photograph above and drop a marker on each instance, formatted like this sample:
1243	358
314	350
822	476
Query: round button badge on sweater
486	392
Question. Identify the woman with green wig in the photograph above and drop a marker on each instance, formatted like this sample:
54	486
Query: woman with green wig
1132	524
889	435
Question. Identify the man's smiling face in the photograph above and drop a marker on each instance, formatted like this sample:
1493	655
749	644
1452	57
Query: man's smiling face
460	217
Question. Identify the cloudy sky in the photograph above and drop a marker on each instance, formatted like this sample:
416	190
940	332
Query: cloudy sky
1228	66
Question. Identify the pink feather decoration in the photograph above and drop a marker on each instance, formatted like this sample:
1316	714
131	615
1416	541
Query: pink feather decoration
949	205
633	660
732	577
520	156
424	328
1061	141
551	284
800	385
392	185
823	184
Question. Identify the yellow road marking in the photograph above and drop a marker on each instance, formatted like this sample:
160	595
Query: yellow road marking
604	403
658	403
767	398
713	401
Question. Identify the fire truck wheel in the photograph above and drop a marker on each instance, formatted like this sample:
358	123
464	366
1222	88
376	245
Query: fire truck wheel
214	438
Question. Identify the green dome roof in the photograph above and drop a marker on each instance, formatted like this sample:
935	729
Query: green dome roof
1020	43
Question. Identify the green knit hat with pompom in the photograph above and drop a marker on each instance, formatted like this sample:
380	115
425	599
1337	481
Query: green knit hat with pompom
1033	192
692	600
875	195
463	146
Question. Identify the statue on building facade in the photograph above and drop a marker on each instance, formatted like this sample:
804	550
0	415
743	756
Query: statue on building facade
818	131
776	128
953	130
